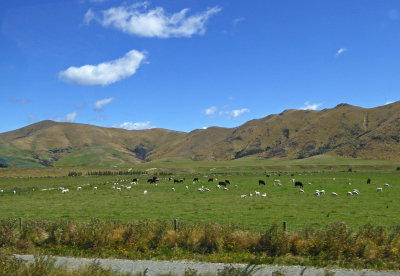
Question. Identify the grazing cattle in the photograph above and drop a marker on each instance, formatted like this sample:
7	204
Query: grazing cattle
151	180
195	179
176	180
221	183
135	180
267	175
210	179
169	178
298	184
369	181
261	182
227	182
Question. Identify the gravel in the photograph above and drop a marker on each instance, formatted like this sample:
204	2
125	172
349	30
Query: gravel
152	268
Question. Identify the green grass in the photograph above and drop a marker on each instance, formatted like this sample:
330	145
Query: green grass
283	203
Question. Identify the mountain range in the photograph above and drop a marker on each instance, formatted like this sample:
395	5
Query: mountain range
345	130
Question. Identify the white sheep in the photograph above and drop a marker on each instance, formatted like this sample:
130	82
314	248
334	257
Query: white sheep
243	196
379	189
14	192
218	186
186	187
145	192
95	188
264	195
226	189
65	191
257	193
250	194
317	193
236	186
118	189
200	189
129	188
349	193
334	194
355	192
207	189
386	185
322	192
173	189
79	188
301	191
1	191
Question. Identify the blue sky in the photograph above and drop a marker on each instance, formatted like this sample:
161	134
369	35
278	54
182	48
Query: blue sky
185	64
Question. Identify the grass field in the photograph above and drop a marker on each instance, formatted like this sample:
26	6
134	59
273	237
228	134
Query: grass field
283	203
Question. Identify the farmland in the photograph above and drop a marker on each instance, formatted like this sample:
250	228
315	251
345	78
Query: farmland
283	203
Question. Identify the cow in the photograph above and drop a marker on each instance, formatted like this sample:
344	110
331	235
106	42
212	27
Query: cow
369	181
221	183
261	182
195	179
210	179
299	184
227	182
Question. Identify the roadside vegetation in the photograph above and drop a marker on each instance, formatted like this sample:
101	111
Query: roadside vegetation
334	245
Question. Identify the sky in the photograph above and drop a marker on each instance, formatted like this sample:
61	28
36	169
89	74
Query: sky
186	64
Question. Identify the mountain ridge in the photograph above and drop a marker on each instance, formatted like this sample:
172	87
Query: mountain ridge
345	130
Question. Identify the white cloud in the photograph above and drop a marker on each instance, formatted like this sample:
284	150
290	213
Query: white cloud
104	73
89	16
134	126
138	20
210	111
69	118
204	127
389	102
308	106
98	106
237	20
238	112
341	51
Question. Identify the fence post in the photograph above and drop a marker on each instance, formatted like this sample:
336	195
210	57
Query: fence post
175	225
284	226
20	225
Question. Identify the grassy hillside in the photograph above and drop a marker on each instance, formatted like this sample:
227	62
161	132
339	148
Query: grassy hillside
344	131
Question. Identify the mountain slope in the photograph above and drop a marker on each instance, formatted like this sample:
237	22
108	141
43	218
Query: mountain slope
345	130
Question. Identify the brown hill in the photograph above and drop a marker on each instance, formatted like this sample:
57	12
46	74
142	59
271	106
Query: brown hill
345	130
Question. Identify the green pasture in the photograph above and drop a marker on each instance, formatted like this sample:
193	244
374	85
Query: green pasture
283	203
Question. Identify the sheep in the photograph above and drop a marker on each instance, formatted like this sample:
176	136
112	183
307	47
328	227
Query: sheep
14	192
243	196
386	185
264	195
118	189
257	193
145	192
173	189
236	186
322	192
95	188
317	193
355	192
186	187
200	189
250	194
309	183
207	189
218	186
349	193
129	188
334	194
65	191
379	189
226	189
1	191
79	188
301	191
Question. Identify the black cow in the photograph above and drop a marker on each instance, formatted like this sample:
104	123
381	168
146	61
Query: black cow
268	175
261	182
195	179
369	181
151	180
210	179
135	180
221	183
227	182
299	184
176	180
